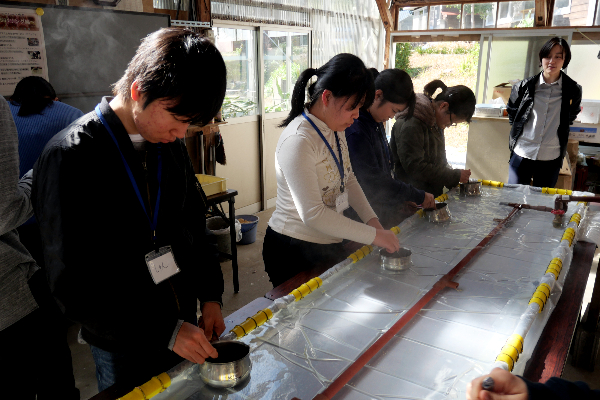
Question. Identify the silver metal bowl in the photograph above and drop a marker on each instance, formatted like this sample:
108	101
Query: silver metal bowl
231	367
440	213
471	188
397	261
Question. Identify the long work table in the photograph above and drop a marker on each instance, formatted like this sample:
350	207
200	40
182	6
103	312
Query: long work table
456	336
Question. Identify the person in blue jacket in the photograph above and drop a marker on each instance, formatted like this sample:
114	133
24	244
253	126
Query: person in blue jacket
38	116
370	152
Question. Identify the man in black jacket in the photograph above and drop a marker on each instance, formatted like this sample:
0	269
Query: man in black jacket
122	215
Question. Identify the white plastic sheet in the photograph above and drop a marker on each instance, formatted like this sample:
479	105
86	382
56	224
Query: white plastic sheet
454	339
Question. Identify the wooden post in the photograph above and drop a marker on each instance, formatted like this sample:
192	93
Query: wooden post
203	9
386	18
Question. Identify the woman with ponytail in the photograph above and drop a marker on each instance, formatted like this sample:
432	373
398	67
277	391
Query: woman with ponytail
417	142
371	155
315	181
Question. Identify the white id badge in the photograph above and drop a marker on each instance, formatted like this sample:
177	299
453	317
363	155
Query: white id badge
341	202
161	264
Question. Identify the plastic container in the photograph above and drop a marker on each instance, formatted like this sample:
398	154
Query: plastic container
248	228
220	229
212	184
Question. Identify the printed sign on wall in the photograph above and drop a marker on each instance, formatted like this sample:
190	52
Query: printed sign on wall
22	49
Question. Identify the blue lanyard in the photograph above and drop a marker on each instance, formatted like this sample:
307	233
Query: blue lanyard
153	221
340	163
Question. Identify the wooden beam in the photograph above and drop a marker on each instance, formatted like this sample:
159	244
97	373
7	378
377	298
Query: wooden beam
591	35
386	16
541	14
203	10
386	51
439	38
395	11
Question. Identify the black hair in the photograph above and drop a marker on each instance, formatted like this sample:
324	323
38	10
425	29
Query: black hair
178	65
33	94
397	87
345	75
547	48
460	98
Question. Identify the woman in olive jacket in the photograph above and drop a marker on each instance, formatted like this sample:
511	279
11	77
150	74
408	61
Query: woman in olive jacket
540	110
417	143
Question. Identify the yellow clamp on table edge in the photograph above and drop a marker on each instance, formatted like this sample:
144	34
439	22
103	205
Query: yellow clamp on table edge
538	301
545	288
306	288
359	253
554	271
149	389
538	294
516	341
366	249
557	261
252	323
421	213
353	257
487	182
556	191
510	351
507	360
395	229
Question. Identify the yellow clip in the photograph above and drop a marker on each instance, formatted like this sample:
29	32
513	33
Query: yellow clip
545	288
354	257
510	351
395	229
556	260
149	389
359	254
540	295
538	302
506	359
421	213
516	341
366	249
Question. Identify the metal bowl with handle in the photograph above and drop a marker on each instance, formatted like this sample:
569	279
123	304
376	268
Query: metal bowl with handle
471	188
396	261
440	213
231	367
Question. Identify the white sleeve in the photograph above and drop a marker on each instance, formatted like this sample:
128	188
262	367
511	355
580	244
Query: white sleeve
297	159
358	200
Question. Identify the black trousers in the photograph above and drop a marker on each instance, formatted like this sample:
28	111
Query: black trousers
34	355
285	256
544	173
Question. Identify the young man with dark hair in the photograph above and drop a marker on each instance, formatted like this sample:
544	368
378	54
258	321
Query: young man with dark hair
122	215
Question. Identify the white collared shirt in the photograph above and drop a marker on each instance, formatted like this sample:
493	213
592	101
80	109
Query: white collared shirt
539	140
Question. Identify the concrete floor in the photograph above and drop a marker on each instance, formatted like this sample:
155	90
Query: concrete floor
254	283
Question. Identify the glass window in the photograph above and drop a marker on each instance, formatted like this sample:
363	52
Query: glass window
285	56
238	48
516	14
480	15
573	13
445	16
583	68
412	19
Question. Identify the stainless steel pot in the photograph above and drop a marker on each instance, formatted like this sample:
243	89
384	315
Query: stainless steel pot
231	367
440	213
397	261
471	188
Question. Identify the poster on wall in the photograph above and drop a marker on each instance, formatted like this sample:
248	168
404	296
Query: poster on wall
22	48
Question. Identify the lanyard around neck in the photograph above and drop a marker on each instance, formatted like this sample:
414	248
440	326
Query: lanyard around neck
154	220
340	163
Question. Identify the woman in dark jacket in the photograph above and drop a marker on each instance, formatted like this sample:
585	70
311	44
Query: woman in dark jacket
370	153
417	142
540	127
